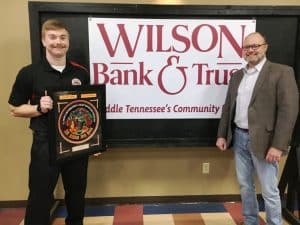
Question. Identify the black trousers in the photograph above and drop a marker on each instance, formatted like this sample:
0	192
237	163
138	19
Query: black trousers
43	178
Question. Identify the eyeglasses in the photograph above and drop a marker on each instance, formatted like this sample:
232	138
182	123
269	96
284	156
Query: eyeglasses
254	47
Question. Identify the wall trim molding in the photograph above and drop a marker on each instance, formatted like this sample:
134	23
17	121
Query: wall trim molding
139	200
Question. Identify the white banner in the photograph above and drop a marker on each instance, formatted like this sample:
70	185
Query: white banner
165	68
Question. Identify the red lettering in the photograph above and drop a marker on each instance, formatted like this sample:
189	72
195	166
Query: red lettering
160	40
155	40
207	76
121	77
181	38
200	71
238	48
122	35
149	38
214	38
97	73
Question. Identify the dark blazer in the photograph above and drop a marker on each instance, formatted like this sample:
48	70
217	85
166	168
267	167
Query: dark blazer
272	111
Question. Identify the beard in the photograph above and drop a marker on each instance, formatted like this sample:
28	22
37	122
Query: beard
254	58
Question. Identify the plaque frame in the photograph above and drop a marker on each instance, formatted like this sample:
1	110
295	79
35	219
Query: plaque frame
77	122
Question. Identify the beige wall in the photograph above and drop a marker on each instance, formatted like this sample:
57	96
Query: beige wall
118	172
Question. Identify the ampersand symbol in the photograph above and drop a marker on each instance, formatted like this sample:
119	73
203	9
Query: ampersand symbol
171	78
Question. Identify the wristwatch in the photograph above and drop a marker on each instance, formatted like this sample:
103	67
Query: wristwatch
39	109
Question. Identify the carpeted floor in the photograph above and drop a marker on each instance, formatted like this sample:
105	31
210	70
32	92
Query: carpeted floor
148	214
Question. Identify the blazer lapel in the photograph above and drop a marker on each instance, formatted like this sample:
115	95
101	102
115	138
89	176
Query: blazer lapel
260	80
239	77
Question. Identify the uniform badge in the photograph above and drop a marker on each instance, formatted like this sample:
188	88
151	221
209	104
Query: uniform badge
76	81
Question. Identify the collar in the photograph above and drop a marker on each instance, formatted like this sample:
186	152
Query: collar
256	68
49	68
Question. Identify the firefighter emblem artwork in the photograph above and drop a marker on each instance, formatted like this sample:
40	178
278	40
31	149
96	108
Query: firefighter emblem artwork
77	122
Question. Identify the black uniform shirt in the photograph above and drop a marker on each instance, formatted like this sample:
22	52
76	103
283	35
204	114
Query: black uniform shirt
33	80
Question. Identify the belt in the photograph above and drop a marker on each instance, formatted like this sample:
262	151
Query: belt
243	129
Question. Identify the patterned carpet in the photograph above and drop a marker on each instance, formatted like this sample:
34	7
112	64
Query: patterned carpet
148	214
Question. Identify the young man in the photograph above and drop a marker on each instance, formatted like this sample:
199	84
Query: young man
259	114
29	99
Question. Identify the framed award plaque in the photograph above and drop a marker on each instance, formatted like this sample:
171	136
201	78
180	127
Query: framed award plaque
77	122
